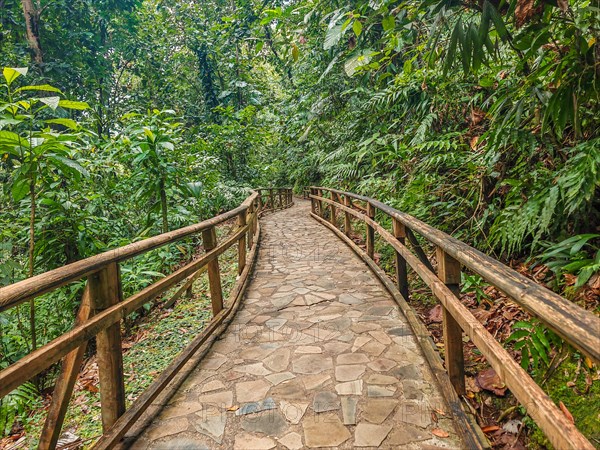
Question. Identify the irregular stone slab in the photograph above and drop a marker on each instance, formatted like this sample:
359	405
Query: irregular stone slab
213	362
214	385
381	365
352	358
246	441
381	336
369	435
415	413
167	428
271	423
377	410
349	373
292	440
405	434
350	388
359	342
400	331
254	407
363	327
211	423
324	430
349	410
289	390
325	401
312	364
278	360
377	378
251	391
277	378
222	400
315	381
349	299
179	409
380	391
312	349
373	348
408	372
180	443
336	347
293	411
253	369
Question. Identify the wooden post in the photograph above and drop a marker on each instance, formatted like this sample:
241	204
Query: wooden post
242	243
65	383
347	222
313	202
250	234
332	211
105	291
449	274
370	232
321	212
260	200
271	199
209	239
401	273
279	194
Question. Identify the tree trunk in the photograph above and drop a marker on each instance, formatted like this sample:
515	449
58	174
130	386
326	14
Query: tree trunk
31	261
32	18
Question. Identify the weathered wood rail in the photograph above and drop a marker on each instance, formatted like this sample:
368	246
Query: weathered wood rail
577	326
102	309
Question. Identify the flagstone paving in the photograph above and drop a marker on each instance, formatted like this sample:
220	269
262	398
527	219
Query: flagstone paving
317	356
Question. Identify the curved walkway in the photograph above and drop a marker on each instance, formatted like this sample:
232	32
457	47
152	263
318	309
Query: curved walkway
317	356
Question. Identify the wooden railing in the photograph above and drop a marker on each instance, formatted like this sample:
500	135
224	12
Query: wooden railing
275	198
102	309
575	325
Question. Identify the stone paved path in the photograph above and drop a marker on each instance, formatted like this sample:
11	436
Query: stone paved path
317	356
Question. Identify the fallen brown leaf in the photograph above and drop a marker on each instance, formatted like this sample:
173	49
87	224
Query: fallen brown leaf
439	433
566	412
435	314
490	381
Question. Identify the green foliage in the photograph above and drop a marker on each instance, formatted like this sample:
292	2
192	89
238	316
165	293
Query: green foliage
572	256
535	342
474	284
15	404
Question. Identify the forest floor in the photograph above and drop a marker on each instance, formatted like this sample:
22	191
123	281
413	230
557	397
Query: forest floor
149	345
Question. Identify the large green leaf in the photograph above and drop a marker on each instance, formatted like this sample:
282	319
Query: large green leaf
12	73
361	59
52	102
20	188
9	140
69	123
70	104
66	162
39	87
333	36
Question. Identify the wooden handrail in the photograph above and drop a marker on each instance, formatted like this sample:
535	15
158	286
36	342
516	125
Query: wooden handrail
574	323
102	309
40	284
